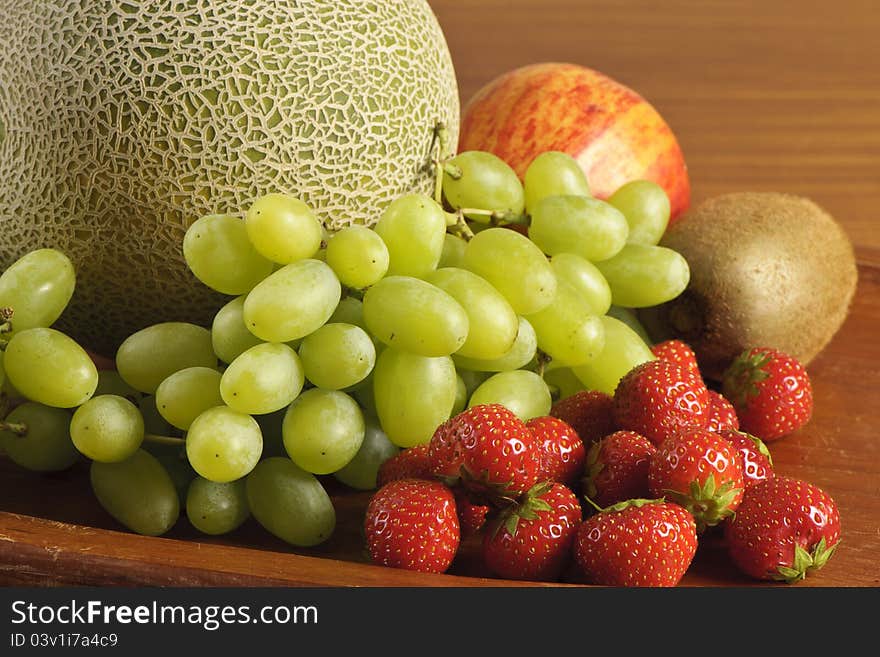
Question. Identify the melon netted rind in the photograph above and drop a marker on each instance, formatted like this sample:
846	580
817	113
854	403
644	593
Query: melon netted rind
122	122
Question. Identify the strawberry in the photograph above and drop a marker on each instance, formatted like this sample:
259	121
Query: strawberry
562	450
471	517
636	543
784	529
756	461
589	412
488	451
532	540
412	524
678	352
409	463
657	399
617	468
722	414
702	472
771	392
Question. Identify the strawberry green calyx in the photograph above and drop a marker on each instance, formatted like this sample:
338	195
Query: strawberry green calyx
760	446
622	506
805	562
708	503
743	376
528	509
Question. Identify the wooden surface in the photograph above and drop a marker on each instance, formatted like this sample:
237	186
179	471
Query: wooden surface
777	96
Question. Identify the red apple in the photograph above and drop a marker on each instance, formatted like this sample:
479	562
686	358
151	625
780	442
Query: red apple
615	134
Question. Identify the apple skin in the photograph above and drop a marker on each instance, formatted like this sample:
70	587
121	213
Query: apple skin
613	132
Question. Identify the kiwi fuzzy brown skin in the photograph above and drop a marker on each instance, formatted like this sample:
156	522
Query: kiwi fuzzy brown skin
767	270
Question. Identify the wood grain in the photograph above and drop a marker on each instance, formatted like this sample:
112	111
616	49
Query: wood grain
762	95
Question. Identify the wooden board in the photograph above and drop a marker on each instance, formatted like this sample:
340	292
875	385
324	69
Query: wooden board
762	97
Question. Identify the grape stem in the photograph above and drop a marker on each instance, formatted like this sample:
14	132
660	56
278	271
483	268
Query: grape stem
441	162
543	359
20	429
457	225
163	440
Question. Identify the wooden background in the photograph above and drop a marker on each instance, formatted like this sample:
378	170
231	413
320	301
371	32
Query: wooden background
762	95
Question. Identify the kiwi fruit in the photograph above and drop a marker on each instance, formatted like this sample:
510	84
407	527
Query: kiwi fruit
767	270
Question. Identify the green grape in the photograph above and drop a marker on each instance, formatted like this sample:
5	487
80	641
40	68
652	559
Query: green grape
358	256
453	251
154	423
223	444
138	492
413	315
350	310
646	207
641	275
623	350
292	302
37	287
229	335
263	379
461	395
553	173
472	379
629	317
591	228
49	367
524	348
562	381
323	430
521	391
283	228
364	395
413	395
412	227
290	503
216	508
186	394
487	183
173	459
567	330
37	437
111	383
107	428
151	355
217	250
271	426
337	356
585	278
492	324
3	373
514	266
361	471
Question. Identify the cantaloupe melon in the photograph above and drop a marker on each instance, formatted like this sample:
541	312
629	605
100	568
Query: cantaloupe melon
125	121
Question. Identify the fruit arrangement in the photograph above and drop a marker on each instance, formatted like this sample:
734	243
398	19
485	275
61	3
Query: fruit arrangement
483	357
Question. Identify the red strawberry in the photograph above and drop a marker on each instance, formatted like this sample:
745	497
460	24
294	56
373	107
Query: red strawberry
784	529
771	392
702	472
409	463
617	468
562	450
532	541
722	414
471	517
589	412
412	524
636	543
678	352
657	399
757	463
488	451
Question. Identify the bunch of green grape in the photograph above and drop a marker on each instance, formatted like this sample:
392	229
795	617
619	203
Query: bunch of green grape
334	351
